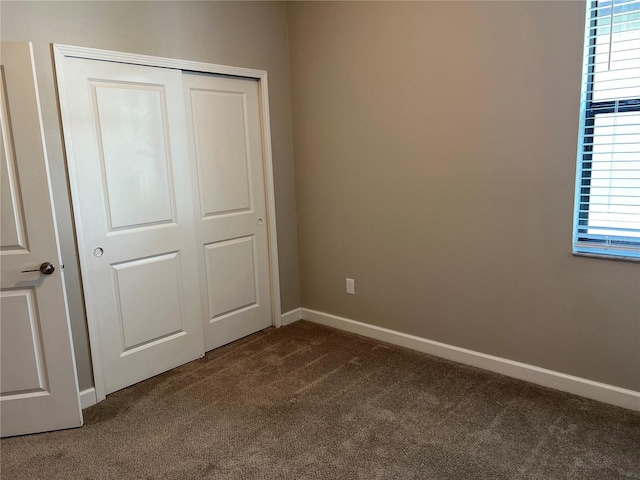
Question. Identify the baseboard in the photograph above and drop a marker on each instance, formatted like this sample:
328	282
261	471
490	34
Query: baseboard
291	316
88	397
548	378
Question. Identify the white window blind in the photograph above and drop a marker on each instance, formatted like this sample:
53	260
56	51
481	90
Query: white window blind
607	213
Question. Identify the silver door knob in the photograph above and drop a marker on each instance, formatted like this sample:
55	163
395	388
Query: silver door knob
46	269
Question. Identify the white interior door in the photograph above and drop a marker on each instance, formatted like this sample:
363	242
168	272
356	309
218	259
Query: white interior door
39	389
132	193
231	229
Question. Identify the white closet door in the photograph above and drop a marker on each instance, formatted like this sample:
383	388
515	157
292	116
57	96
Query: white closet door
132	188
231	229
39	389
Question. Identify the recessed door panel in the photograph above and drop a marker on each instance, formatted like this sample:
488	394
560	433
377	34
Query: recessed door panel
21	341
222	150
132	124
231	276
149	297
12	228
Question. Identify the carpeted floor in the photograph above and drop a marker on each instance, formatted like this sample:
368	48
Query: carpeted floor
310	402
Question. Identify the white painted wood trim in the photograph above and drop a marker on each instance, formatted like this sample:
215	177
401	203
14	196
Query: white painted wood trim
548	378
291	316
88	398
151	61
68	51
272	235
96	357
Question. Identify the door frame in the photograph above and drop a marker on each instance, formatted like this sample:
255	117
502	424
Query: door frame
61	52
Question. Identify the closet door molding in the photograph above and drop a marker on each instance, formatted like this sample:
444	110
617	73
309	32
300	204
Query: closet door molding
62	52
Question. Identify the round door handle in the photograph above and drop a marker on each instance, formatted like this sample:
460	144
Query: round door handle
46	269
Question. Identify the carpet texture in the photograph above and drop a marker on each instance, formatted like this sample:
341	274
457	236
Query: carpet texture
310	402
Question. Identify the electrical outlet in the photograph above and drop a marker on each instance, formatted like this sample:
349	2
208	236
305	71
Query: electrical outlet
351	286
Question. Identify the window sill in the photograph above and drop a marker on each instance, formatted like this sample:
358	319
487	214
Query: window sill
619	258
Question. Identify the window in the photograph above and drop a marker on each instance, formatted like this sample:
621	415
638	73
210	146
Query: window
607	209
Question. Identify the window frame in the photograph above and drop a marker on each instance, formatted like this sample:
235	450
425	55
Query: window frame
591	244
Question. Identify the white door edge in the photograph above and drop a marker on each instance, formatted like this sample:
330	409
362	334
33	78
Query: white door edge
68	51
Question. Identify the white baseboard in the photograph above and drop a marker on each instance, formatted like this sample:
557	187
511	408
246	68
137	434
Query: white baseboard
291	316
88	398
567	383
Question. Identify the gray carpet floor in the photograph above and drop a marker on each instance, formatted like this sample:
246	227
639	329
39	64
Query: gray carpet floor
310	402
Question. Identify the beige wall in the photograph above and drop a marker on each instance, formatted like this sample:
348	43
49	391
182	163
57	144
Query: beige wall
435	150
252	35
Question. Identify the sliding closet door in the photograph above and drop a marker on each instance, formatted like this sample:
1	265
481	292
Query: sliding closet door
231	228
132	187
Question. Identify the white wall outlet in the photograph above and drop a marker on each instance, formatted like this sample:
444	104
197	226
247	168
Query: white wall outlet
351	286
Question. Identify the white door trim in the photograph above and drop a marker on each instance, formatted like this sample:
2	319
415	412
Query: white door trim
68	51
